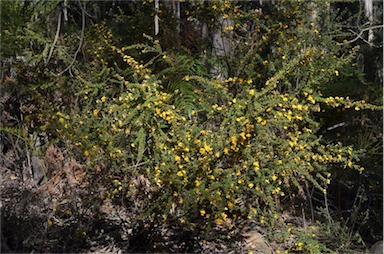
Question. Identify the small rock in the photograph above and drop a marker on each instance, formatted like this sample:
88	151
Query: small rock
377	248
255	242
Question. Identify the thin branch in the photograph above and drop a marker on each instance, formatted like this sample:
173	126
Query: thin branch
81	39
359	35
55	40
89	15
310	202
138	164
364	40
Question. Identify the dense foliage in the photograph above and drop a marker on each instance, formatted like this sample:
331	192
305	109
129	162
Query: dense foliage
162	135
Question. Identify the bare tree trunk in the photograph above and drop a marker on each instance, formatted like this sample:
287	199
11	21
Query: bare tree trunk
156	17
369	15
176	13
65	11
313	13
222	45
175	6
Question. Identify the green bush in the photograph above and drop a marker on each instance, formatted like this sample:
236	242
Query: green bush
231	156
161	137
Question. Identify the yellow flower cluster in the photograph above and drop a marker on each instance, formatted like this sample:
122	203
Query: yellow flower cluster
137	67
168	115
205	149
237	80
335	101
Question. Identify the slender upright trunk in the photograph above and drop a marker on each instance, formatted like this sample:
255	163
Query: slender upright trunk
222	46
176	13
65	11
369	14
156	17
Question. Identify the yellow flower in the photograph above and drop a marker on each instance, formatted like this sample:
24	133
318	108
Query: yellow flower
300	107
103	99
311	99
252	92
256	165
250	185
202	212
179	173
229	28
207	148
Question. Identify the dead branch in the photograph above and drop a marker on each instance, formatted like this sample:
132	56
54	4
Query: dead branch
81	40
359	36
55	40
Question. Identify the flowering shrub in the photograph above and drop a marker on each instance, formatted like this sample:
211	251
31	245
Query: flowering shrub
234	156
170	143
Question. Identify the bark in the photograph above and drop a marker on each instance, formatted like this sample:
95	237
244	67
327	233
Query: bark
222	45
369	15
156	17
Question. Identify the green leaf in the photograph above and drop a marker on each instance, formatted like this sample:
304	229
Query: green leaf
140	140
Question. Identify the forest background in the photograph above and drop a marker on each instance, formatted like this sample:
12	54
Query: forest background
191	126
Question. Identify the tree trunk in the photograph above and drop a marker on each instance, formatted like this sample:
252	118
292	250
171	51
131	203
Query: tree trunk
369	14
156	17
222	45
